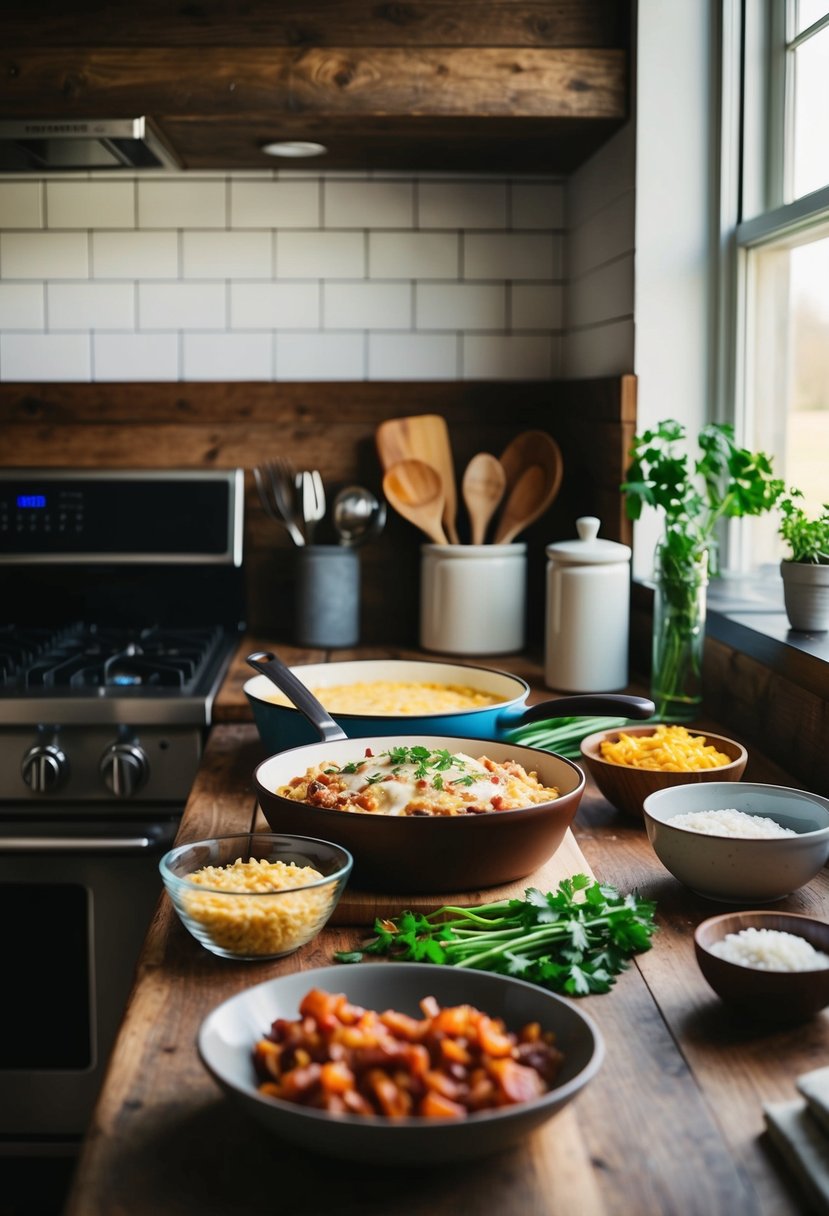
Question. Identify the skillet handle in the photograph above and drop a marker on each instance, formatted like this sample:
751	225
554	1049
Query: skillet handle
589	704
271	666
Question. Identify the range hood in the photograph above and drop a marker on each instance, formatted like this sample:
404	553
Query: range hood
45	145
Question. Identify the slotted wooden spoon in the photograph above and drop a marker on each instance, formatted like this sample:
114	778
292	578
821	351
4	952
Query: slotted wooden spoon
522	505
483	485
415	490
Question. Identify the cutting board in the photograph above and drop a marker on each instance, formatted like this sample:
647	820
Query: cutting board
362	907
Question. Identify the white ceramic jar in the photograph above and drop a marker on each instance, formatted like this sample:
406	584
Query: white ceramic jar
473	598
588	612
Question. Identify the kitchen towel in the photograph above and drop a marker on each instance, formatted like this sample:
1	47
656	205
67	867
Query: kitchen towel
814	1086
802	1137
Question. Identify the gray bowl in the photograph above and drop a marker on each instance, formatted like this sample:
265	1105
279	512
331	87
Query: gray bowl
227	1037
736	869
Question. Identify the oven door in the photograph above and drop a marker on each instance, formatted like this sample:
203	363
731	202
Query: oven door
76	899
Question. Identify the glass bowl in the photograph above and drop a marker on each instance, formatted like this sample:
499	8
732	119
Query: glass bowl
258	895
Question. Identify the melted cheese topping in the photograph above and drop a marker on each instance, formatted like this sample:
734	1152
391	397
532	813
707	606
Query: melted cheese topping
396	697
416	781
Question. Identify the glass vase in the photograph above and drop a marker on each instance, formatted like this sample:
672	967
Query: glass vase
679	608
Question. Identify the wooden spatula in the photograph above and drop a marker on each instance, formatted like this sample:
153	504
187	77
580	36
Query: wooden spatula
529	449
483	487
522	505
422	437
415	491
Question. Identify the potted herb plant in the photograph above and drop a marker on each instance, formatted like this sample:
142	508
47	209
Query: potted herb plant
694	493
805	571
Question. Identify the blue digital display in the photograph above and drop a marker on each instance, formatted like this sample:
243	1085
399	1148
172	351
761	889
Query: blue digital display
31	502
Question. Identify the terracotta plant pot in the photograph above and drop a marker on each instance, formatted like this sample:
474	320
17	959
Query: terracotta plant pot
806	595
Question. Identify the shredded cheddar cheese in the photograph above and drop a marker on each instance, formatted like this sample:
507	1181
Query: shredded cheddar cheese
670	748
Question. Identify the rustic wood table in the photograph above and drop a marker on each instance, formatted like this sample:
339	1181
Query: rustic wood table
672	1124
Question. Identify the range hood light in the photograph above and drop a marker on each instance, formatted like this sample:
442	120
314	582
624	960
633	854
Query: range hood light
294	148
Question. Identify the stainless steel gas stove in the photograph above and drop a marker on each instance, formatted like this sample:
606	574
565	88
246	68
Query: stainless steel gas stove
122	603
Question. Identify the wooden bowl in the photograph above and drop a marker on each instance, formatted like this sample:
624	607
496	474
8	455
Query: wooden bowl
627	788
779	996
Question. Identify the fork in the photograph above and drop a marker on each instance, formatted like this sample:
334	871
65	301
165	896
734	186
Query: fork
313	501
274	481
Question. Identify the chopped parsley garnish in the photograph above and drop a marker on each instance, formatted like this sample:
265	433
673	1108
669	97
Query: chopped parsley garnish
428	763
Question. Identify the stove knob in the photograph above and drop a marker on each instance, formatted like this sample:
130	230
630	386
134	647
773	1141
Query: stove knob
124	768
44	768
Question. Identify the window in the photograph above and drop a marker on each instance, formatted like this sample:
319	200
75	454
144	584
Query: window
781	263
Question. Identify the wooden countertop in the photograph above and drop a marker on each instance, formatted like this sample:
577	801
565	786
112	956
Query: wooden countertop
672	1123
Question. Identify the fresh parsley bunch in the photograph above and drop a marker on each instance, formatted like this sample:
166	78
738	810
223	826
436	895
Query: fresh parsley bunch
575	940
724	482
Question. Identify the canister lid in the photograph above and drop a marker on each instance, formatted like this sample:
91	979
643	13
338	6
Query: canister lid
588	549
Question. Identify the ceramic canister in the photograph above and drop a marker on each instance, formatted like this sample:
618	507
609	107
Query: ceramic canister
473	598
588	612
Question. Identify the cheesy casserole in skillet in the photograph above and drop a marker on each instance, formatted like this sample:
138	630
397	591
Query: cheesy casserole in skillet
418	781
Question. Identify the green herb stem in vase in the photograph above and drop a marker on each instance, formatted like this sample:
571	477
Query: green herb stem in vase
724	482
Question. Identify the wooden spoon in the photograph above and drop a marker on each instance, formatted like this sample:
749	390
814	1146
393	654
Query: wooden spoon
415	490
483	485
522	505
422	437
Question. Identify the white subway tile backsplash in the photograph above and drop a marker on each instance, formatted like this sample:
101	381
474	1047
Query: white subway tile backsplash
90	305
412	357
227	255
320	255
45	356
21	306
374	204
182	306
510	255
367	306
90	204
603	236
413	255
462	204
21	204
228	357
496	357
536	306
537	205
275	306
182	203
275	204
136	356
44	255
293	275
315	356
604	294
134	255
460	306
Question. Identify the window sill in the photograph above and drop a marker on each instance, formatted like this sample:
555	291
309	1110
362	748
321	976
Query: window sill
746	612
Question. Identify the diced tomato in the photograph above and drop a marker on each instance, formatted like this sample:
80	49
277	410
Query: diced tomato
497	802
493	1039
369	752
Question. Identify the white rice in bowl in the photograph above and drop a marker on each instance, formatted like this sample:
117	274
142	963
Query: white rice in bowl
770	950
731	822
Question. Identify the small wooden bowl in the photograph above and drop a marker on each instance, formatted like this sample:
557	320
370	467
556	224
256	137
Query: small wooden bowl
627	788
773	996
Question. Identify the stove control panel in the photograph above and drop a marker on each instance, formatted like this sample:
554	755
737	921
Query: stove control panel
61	766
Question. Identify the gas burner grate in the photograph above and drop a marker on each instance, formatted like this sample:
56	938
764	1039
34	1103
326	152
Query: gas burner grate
117	658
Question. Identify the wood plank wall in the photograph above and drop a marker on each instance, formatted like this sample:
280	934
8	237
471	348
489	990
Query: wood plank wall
330	426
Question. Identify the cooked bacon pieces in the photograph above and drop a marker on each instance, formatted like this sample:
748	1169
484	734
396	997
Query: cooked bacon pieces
448	1064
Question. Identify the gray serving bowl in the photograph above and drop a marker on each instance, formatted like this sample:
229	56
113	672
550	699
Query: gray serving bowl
737	869
228	1035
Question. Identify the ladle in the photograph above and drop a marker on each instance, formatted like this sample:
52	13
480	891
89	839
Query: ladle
358	514
483	487
522	505
415	490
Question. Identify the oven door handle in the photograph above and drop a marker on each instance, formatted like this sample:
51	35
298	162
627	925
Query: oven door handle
76	844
